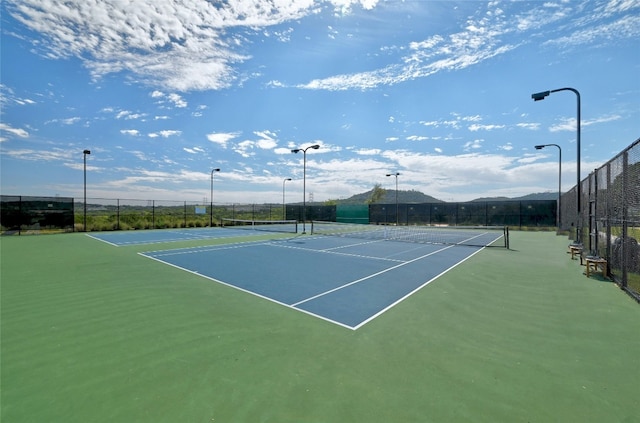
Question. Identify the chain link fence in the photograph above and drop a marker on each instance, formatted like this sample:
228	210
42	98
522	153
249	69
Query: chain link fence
608	225
26	214
104	214
516	214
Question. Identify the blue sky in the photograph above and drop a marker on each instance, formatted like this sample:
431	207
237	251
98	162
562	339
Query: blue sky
163	91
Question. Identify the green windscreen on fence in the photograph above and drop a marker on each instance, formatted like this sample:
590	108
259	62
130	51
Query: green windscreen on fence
352	213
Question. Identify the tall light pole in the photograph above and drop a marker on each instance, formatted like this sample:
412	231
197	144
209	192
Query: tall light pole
396	175
211	209
540	147
284	210
84	155
304	182
540	96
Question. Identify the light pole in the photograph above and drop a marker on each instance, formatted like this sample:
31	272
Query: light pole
211	209
540	96
284	210
84	155
304	182
396	175
540	147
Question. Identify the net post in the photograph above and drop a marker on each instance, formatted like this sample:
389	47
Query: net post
506	237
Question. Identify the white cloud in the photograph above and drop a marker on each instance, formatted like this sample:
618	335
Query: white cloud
531	126
625	27
194	150
368	151
51	155
222	138
67	121
7	96
128	115
507	147
480	40
132	132
266	144
183	45
455	123
197	45
477	127
14	131
473	145
164	134
569	124
343	7
244	148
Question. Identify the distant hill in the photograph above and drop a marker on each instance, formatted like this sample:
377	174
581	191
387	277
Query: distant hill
528	197
411	196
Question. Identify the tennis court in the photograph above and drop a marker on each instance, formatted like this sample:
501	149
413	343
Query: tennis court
97	333
342	280
158	236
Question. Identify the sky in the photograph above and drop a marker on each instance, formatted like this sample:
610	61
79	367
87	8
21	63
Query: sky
162	92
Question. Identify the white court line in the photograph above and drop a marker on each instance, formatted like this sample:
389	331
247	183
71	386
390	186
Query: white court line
181	236
192	250
295	305
103	240
370	276
331	251
414	291
230	285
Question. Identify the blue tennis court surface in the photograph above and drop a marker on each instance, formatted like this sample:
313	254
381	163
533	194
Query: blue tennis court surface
345	281
122	238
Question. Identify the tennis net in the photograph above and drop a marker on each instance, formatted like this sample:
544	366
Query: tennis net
289	226
479	236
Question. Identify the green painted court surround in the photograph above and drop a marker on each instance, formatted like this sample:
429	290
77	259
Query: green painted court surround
96	333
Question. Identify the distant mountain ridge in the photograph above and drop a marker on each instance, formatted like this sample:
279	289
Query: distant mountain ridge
413	196
528	197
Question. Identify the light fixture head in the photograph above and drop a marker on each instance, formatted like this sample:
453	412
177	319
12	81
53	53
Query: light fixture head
540	96
86	152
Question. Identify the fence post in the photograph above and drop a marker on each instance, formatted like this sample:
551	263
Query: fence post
625	217
607	215
21	216
520	215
